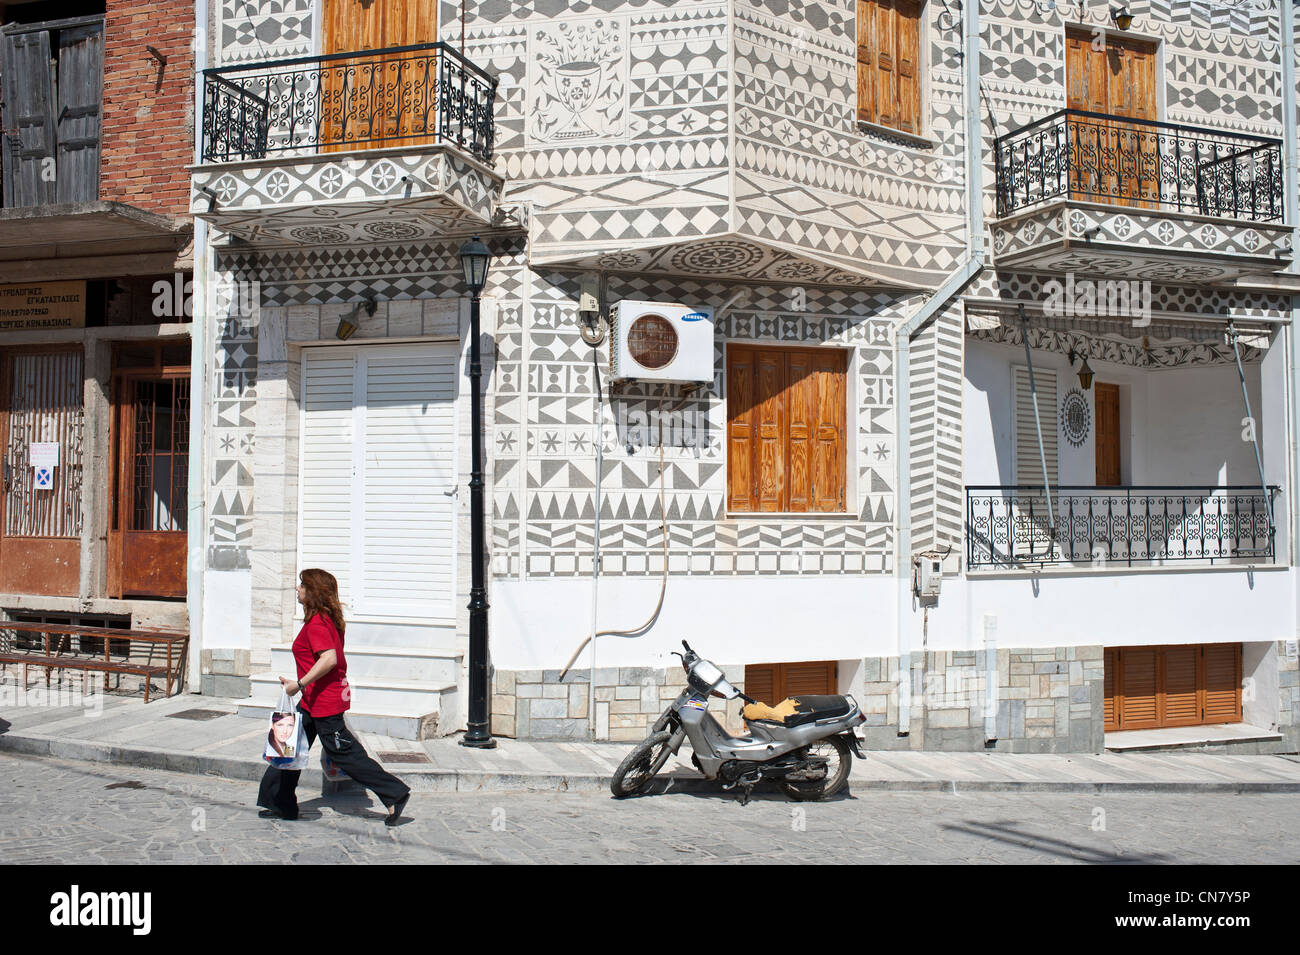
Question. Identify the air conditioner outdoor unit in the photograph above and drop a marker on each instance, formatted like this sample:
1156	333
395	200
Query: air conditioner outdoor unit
658	341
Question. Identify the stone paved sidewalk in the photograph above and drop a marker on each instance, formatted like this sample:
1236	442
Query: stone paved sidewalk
164	735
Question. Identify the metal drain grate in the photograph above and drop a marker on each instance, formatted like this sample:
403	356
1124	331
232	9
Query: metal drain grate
199	714
392	756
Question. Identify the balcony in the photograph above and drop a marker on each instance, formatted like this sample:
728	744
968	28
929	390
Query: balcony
392	144
1007	527
1127	198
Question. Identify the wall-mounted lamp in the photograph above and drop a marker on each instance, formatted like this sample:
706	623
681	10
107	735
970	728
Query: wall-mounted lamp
1121	17
348	323
1085	370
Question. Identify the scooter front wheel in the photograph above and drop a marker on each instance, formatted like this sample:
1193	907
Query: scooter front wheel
641	765
839	760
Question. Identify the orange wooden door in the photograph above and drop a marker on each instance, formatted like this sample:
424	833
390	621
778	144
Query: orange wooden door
1112	161
1106	436
377	101
771	683
40	519
1222	683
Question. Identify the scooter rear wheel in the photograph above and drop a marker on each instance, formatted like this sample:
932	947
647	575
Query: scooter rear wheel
839	762
641	765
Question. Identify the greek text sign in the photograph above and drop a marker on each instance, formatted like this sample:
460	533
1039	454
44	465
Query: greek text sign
42	305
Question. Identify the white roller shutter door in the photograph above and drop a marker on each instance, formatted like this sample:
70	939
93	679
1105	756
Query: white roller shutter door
391	524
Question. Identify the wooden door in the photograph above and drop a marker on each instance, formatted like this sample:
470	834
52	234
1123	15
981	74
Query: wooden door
1106	436
771	683
1111	161
40	517
148	535
378	101
27	114
80	91
1187	685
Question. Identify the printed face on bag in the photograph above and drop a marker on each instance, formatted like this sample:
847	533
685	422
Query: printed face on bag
284	727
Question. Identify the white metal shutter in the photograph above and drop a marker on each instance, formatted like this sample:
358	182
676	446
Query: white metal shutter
325	527
379	477
409	476
1029	466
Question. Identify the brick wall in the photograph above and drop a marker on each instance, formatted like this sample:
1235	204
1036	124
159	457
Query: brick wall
148	108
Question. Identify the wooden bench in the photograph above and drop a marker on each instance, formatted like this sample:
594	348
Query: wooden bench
57	653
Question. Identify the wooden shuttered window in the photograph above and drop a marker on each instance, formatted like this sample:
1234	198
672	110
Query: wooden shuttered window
1187	685
771	683
889	48
786	448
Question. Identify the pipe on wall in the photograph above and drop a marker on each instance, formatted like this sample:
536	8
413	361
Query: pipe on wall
956	282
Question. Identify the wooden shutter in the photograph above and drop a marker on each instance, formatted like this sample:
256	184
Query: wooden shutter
1222	662
81	86
908	18
829	446
1029	464
866	61
760	682
1139	686
801	406
409	479
770	493
740	429
809	679
1111	707
327	478
886	74
27	91
1181	700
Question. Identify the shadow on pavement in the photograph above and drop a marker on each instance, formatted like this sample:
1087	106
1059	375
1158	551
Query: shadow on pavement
1008	834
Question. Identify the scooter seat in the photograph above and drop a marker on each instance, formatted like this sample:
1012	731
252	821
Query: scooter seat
797	710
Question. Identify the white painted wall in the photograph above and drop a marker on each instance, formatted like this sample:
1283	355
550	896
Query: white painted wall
1260	701
1117	608
227	610
537	624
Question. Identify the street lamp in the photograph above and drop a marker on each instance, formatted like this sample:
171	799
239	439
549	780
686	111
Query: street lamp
474	257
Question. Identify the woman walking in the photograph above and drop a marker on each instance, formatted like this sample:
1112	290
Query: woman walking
323	681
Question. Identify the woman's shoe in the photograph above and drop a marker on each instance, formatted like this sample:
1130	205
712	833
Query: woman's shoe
274	814
395	811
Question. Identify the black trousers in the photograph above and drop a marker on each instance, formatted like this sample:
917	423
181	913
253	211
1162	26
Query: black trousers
279	786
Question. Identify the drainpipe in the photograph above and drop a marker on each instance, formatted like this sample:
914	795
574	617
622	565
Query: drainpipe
196	544
971	266
1291	198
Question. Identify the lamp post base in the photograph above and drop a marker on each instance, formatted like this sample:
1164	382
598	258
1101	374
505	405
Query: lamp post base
478	742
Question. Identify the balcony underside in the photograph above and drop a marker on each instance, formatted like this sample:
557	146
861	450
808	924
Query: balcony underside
370	197
727	256
1118	242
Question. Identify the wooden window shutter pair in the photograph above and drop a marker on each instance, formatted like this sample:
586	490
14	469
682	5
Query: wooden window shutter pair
786	429
889	45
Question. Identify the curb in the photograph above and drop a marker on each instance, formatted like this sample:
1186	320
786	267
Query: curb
461	781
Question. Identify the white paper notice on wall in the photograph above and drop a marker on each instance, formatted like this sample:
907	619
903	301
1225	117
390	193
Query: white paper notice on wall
44	454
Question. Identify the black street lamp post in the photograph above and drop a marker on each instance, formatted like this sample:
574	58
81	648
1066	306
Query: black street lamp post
474	259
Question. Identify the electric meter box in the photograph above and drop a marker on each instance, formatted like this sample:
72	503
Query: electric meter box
929	576
657	341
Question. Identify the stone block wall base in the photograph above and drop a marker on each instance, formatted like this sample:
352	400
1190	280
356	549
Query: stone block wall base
231	687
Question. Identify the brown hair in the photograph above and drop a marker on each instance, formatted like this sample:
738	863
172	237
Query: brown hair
322	597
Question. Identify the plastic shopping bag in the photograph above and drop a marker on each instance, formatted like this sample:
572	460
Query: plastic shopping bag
286	738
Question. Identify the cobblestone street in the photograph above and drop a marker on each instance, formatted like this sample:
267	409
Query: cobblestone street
57	811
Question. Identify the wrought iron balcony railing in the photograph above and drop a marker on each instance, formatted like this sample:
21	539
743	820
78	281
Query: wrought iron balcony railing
1008	526
1094	157
409	95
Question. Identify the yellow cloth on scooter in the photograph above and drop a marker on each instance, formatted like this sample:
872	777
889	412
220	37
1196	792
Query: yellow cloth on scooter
777	714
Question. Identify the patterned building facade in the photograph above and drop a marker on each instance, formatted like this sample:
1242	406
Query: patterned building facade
713	158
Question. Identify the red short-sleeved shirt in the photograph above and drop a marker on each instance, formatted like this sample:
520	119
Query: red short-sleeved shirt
327	695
